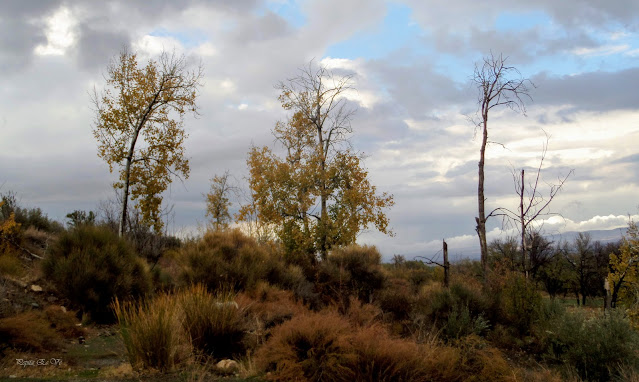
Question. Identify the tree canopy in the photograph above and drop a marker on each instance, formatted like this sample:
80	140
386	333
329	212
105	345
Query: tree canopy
139	127
318	195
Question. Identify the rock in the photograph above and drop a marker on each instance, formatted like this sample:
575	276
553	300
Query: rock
63	309
36	288
227	366
35	305
52	298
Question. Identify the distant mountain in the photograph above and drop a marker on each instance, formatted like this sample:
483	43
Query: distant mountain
603	236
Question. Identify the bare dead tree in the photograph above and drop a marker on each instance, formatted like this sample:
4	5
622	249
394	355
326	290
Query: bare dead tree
445	264
532	204
498	85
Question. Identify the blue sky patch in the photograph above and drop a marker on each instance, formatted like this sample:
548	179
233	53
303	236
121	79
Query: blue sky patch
396	31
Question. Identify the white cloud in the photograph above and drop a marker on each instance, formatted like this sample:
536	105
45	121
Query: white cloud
60	33
632	53
604	50
152	46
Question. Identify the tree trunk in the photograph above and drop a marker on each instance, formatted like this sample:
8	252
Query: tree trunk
481	220
323	197
446	264
522	220
127	177
125	198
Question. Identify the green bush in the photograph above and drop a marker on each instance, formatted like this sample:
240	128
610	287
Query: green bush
457	311
349	271
596	347
521	303
230	259
397	298
27	217
91	266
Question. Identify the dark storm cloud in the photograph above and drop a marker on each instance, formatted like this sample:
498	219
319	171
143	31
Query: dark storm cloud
594	91
95	47
266	27
417	88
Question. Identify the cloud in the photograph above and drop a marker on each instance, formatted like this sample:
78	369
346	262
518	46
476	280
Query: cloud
604	50
411	102
585	91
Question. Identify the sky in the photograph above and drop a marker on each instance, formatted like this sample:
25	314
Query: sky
411	61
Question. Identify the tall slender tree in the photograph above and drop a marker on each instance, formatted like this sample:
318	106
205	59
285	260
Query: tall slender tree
498	85
139	127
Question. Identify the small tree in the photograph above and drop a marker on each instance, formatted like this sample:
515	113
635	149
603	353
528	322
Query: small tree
318	195
217	201
584	265
139	127
498	85
624	267
532	205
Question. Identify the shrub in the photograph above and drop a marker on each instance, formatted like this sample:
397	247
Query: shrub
457	311
363	265
214	323
270	305
309	347
480	362
10	265
63	322
230	259
381	358
596	347
152	332
521	303
397	299
91	266
27	217
29	331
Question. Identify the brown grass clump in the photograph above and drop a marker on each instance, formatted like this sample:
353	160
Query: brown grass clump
382	358
152	332
64	322
481	362
362	315
310	347
326	347
10	265
270	305
214	323
29	331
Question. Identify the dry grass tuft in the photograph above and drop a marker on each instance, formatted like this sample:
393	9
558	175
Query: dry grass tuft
152	332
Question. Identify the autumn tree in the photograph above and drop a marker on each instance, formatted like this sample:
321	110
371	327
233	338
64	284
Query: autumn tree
218	202
624	268
139	127
498	85
318	194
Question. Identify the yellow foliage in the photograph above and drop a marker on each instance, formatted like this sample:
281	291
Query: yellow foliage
624	272
318	195
218	203
139	126
9	233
